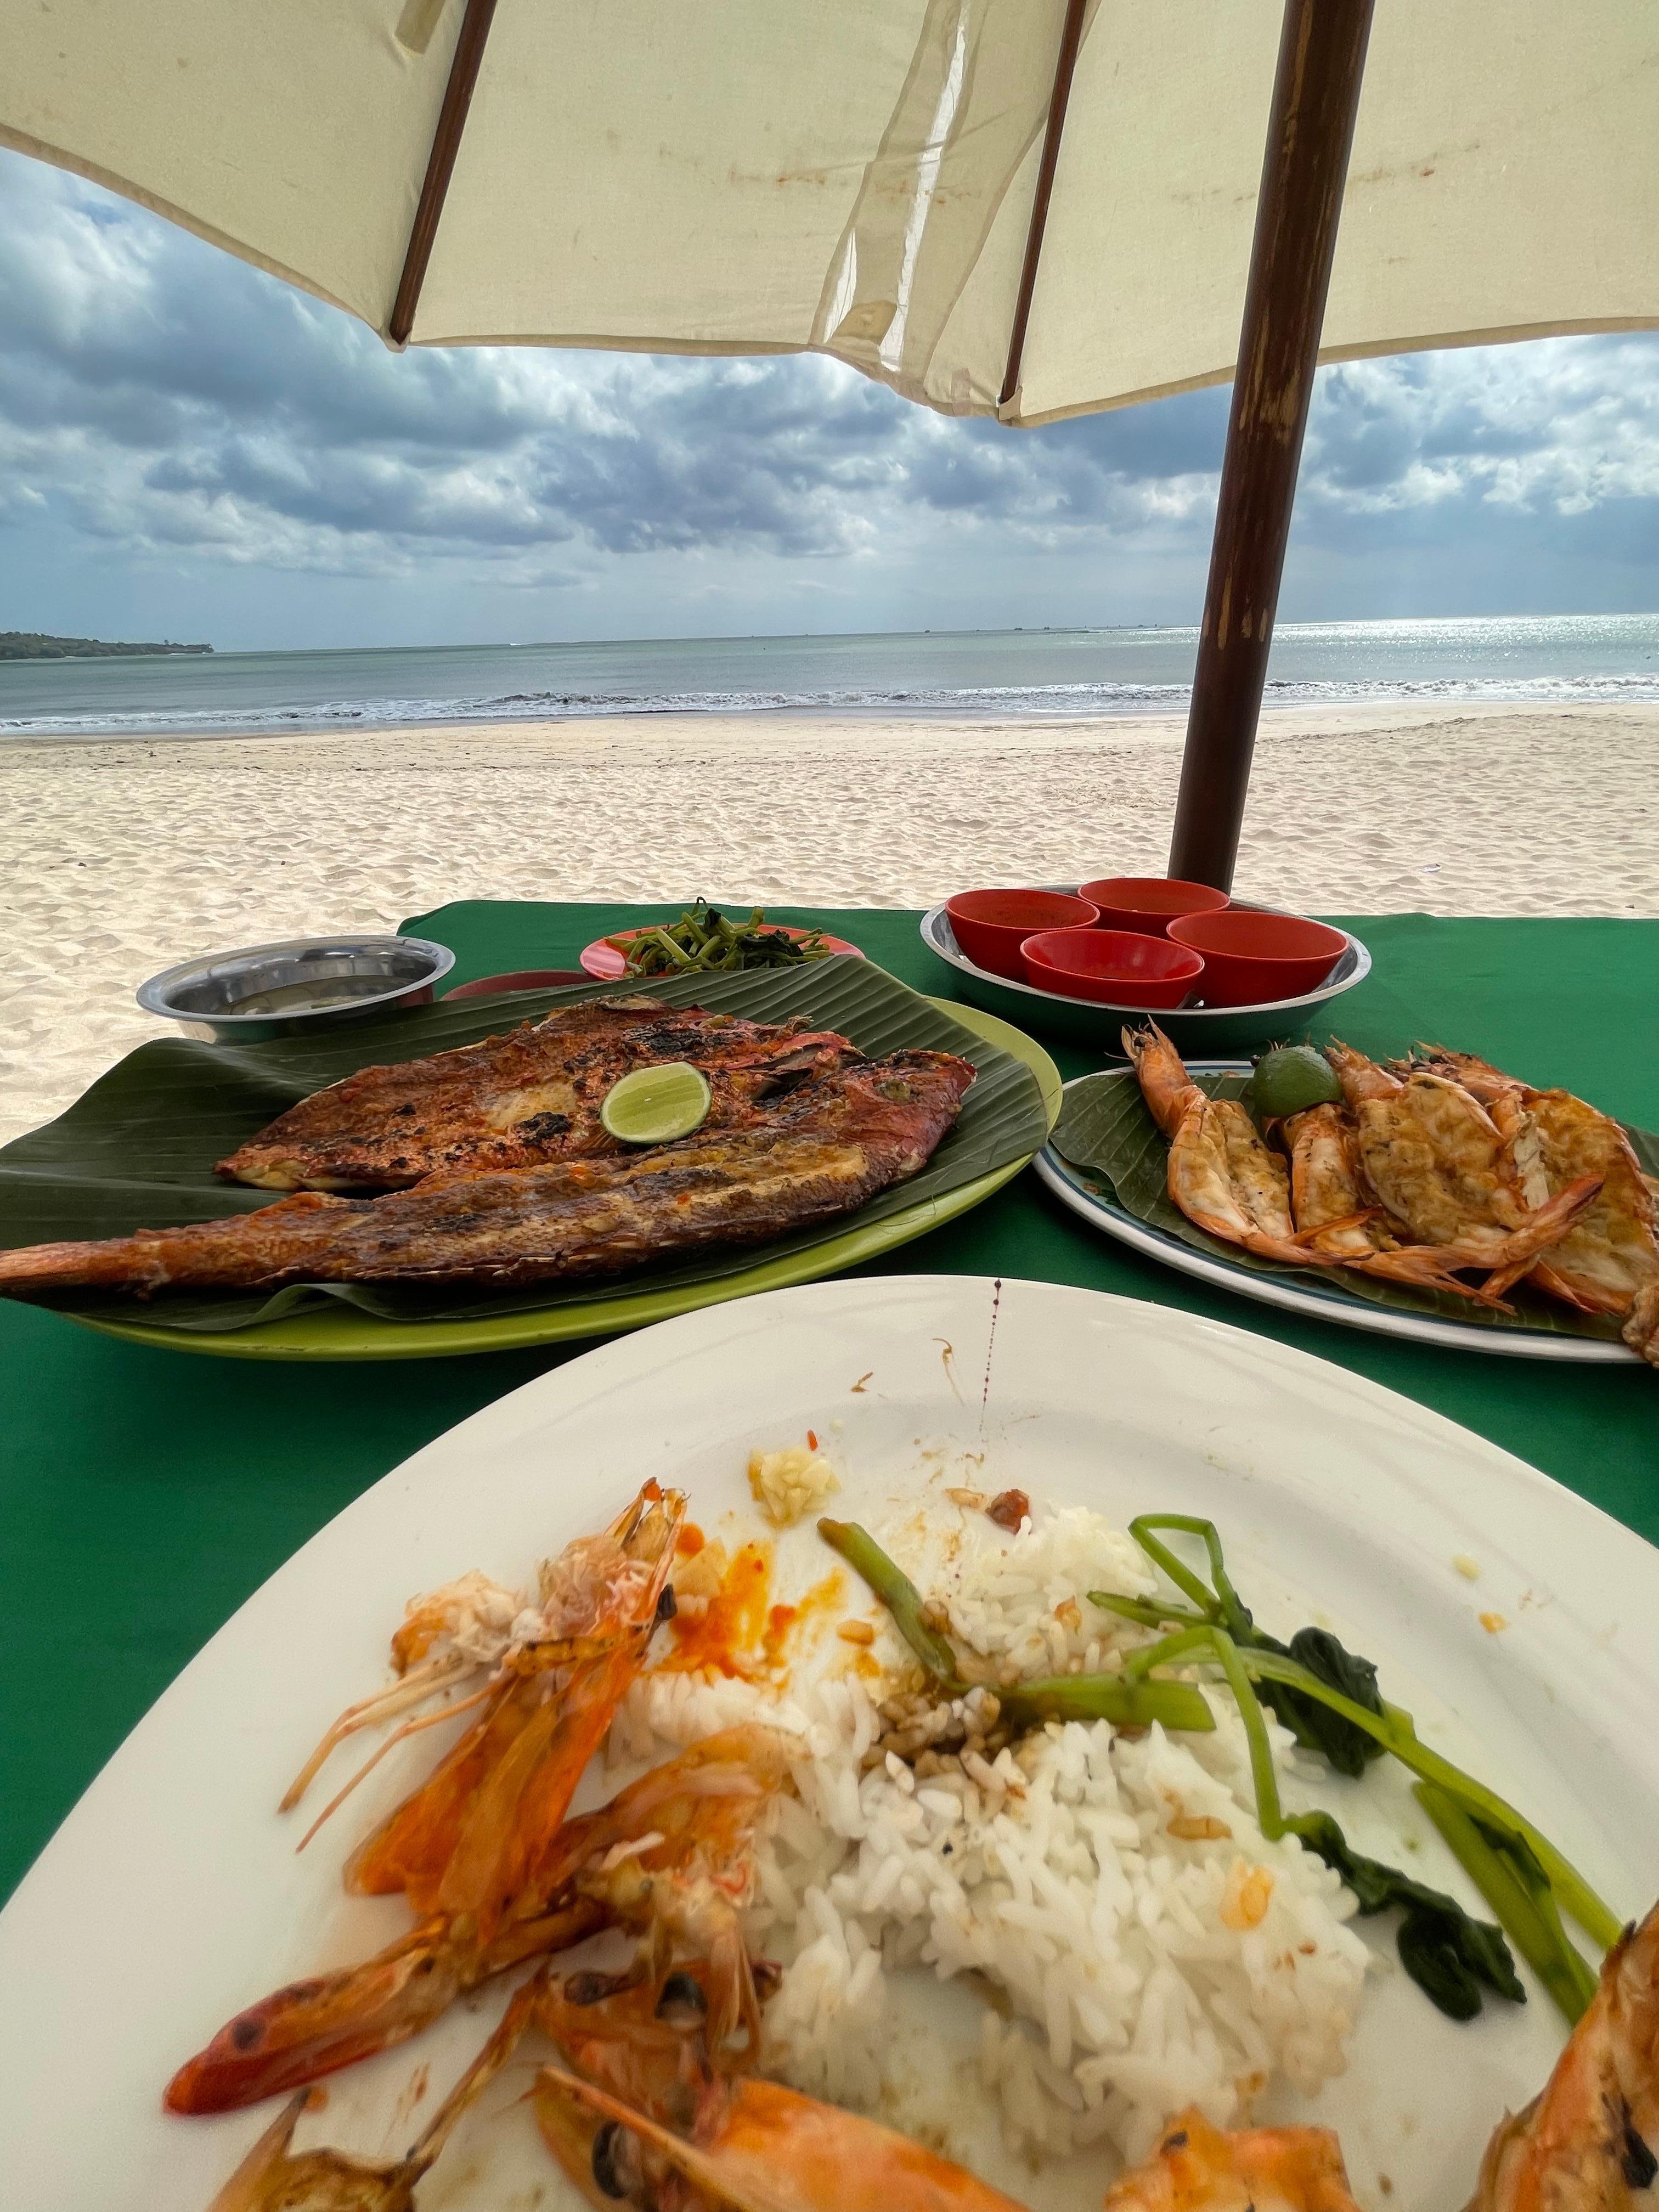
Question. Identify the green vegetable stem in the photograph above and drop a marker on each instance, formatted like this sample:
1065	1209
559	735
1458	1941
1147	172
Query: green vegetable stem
1506	1872
1314	1683
1066	1697
1315	1725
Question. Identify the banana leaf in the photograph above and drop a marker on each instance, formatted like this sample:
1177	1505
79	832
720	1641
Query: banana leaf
138	1150
1107	1135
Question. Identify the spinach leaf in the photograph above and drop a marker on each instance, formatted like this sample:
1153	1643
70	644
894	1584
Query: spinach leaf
1315	1727
1448	1954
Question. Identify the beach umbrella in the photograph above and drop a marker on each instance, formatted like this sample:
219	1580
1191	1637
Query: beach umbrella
1025	209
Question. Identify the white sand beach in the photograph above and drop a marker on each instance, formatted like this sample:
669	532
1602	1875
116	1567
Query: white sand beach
118	858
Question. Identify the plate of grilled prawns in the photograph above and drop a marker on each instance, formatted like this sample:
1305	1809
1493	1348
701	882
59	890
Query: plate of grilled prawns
870	1749
1434	1197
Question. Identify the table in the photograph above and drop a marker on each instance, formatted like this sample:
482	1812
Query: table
144	1494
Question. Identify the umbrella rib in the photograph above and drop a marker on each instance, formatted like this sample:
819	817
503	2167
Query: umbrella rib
440	163
1071	38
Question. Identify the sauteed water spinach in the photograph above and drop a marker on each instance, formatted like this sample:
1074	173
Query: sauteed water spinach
704	940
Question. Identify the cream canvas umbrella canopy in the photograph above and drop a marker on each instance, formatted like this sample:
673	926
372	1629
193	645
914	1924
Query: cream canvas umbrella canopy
1022	208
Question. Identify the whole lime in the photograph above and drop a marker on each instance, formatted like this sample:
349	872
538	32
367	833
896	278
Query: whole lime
1290	1077
654	1105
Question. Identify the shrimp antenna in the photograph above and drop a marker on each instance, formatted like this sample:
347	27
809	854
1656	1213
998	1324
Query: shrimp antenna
409	1727
414	1689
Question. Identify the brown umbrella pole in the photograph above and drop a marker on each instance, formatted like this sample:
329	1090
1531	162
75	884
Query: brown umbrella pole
1321	58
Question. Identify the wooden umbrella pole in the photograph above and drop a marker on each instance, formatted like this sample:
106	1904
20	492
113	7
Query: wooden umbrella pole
1322	60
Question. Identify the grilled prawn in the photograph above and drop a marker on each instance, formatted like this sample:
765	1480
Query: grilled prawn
1607	1261
1221	1174
1339	1217
1584	2144
467	1847
1438	1162
1223	1178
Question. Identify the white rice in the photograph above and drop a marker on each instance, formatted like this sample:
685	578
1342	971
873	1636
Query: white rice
1140	1970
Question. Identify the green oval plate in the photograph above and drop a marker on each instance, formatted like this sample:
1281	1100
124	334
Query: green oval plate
344	1335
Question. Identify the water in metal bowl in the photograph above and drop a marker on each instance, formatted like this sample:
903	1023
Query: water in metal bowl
294	988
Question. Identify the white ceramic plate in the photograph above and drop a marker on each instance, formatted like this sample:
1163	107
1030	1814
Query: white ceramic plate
1314	1297
172	1895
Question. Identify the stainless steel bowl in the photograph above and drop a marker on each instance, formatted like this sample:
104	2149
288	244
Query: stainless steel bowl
307	984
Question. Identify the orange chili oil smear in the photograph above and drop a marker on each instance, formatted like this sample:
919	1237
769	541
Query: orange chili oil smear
727	1634
828	1595
739	1632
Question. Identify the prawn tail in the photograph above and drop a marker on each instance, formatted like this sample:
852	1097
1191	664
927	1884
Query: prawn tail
1549	1223
1361	1079
1577	1290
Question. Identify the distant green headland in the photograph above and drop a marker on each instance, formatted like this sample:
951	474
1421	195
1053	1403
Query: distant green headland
35	645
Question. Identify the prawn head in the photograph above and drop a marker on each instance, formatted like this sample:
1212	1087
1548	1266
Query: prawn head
1584	2143
757	2147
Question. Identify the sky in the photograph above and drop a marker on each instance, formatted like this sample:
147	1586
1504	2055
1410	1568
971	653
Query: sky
189	449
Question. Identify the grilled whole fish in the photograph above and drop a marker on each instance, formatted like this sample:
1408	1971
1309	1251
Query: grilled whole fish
517	1100
824	1150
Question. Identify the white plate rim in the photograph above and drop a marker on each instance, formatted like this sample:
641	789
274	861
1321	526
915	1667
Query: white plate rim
1308	1301
1593	1567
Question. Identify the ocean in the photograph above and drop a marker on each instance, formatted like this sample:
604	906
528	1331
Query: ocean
1028	673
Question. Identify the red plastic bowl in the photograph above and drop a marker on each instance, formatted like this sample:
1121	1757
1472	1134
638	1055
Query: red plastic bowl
1251	959
1112	967
521	979
990	927
1148	904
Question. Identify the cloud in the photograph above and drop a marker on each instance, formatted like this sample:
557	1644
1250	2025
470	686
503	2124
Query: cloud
1561	426
164	406
162	394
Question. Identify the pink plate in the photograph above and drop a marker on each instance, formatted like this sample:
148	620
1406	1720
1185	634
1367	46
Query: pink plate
601	958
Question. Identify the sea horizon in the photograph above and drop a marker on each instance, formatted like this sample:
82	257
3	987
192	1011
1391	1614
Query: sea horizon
1019	674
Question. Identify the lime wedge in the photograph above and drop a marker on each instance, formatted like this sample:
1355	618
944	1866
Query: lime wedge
1293	1077
654	1105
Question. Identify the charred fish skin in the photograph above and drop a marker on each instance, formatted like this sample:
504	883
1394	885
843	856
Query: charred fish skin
517	1100
826	1149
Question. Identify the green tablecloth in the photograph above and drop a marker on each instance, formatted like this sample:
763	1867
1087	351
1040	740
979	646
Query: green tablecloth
144	1494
